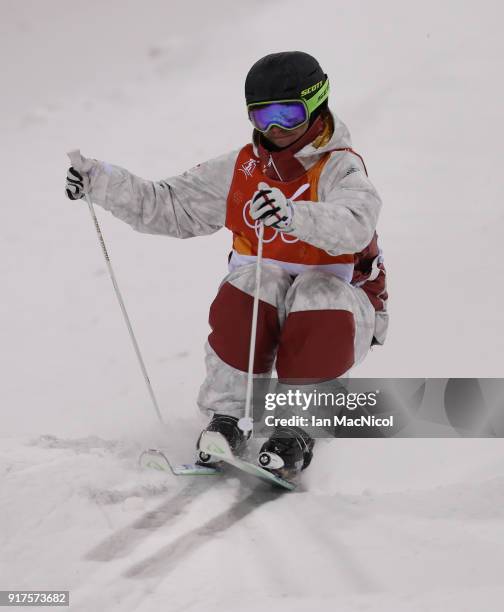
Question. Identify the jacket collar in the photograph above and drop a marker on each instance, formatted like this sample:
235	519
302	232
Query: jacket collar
293	161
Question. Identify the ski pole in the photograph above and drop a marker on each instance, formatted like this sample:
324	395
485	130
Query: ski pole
74	157
246	423
123	309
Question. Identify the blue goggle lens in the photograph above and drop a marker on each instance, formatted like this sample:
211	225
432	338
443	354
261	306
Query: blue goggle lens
287	115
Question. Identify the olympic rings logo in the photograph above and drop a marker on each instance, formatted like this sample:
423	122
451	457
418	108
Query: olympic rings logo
255	226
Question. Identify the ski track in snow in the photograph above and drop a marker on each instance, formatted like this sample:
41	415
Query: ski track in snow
376	525
136	544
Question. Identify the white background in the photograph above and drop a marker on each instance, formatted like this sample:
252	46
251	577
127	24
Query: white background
157	87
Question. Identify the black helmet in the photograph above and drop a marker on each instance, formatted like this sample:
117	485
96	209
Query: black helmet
283	76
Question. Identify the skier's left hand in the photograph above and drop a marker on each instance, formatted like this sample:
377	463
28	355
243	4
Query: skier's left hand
270	206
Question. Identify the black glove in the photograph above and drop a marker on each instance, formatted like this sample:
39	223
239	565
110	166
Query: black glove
74	186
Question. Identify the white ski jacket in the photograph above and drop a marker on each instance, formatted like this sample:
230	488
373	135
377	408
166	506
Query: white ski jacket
194	204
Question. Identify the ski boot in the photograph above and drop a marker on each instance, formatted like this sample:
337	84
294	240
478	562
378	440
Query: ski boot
288	451
228	427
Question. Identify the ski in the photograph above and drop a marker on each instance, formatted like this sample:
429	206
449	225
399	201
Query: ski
215	444
155	459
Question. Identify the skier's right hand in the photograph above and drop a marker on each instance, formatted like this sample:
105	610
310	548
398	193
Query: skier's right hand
77	184
78	175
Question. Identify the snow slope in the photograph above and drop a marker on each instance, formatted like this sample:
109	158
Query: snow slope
378	524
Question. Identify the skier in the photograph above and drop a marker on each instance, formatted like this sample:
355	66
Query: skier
323	293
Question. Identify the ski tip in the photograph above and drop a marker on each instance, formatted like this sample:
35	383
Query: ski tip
155	460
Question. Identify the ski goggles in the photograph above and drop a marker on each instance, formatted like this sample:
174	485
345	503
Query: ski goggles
287	114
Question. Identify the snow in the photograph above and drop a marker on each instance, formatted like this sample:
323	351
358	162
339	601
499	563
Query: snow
406	525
